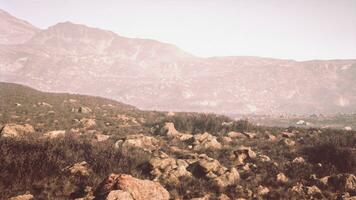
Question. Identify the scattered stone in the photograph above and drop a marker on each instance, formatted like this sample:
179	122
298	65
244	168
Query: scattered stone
206	197
54	134
287	142
101	137
80	169
26	196
271	137
137	188
243	192
141	141
234	134
313	190
288	134
298	160
44	104
88	123
262	191
18	104
264	158
347	128
84	110
281	178
16	130
226	140
250	135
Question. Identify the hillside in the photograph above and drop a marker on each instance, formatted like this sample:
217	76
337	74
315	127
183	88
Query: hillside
66	146
152	75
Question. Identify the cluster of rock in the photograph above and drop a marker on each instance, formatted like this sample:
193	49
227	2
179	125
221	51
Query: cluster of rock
144	142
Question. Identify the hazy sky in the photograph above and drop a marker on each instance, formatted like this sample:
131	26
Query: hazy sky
296	29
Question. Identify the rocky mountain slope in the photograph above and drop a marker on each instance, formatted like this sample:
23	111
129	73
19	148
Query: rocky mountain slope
14	30
152	75
65	146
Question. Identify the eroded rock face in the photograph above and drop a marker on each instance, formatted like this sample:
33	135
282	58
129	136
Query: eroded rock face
137	188
16	130
205	141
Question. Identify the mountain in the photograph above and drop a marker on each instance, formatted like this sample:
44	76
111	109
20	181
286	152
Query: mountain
13	30
152	75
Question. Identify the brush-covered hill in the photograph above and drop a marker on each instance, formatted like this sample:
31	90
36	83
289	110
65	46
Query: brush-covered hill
66	146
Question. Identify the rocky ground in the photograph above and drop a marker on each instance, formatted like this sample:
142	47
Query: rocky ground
61	146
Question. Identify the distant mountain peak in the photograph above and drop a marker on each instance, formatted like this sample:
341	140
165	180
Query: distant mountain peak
14	30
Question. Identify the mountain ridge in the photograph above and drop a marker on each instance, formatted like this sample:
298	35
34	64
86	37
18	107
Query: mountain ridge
151	75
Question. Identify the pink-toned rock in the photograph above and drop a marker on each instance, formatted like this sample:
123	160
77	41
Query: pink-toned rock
137	188
16	130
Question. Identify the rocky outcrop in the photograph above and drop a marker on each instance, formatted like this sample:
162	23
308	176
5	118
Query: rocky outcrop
243	153
171	132
140	141
132	187
168	169
16	130
205	141
211	169
346	182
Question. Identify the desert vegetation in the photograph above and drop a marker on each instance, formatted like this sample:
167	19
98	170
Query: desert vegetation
62	146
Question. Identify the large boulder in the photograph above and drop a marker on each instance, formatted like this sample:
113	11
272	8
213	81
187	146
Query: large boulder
138	189
16	130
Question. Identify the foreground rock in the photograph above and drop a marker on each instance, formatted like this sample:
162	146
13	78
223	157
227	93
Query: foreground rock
242	154
16	130
127	187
